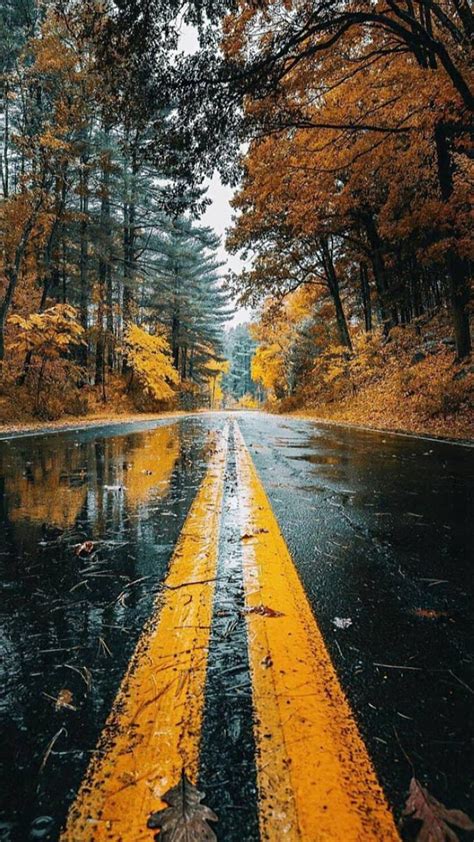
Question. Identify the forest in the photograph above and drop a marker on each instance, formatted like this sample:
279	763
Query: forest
346	133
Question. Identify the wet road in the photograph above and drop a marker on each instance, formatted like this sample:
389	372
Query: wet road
380	530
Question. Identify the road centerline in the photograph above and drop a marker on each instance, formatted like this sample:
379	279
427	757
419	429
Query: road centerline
316	780
153	731
227	772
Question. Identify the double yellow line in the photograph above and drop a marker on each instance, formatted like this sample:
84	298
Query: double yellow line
153	731
315	779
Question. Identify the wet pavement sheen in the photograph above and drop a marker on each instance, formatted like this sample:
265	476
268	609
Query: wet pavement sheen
380	529
70	622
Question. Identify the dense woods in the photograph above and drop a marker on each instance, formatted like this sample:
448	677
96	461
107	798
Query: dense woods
346	130
354	204
110	288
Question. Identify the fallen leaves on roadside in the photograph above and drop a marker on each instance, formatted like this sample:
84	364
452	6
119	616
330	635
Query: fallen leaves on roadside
263	611
185	819
86	548
435	818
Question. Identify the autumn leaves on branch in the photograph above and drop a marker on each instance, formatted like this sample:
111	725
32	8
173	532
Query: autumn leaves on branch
358	176
346	127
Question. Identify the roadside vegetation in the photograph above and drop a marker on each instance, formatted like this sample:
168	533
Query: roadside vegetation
110	294
353	210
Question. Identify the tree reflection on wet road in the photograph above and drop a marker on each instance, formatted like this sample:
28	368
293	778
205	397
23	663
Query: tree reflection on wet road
379	528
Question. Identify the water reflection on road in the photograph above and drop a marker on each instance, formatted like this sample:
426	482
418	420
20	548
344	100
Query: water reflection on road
69	617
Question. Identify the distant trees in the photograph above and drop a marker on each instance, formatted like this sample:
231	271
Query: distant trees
240	347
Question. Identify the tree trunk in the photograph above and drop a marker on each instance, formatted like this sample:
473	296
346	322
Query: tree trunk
83	350
365	293
333	284
458	268
104	266
184	356
12	272
387	314
175	325
110	318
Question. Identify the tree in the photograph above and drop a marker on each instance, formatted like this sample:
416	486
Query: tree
149	358
239	349
93	216
48	338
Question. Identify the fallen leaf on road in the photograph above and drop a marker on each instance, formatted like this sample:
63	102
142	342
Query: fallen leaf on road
263	610
342	622
186	819
86	548
248	535
435	818
64	700
429	613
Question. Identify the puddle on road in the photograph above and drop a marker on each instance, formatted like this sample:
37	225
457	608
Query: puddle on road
70	617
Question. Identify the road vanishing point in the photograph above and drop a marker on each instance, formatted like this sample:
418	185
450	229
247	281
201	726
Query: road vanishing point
274	611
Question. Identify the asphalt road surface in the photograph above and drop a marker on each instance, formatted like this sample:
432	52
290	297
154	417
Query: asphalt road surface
365	599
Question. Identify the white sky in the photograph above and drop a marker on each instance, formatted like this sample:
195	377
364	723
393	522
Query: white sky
219	214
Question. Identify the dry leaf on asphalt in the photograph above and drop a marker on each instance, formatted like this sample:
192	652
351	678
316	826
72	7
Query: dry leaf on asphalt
263	610
434	816
430	614
342	622
86	548
64	700
247	535
186	819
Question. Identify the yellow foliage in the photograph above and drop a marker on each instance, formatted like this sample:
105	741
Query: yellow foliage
149	357
248	402
268	367
216	368
48	334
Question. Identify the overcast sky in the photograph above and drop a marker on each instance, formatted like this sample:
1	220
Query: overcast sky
219	214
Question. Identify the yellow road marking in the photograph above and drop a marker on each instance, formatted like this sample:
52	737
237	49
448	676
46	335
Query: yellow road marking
316	781
153	731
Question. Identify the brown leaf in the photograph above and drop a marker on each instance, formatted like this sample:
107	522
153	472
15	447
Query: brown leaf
247	535
86	548
429	614
64	700
186	819
263	610
435	818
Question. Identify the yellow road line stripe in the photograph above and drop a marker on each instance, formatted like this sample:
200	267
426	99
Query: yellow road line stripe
315	778
153	731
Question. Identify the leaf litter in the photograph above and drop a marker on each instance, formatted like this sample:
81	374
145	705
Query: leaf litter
437	821
185	819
